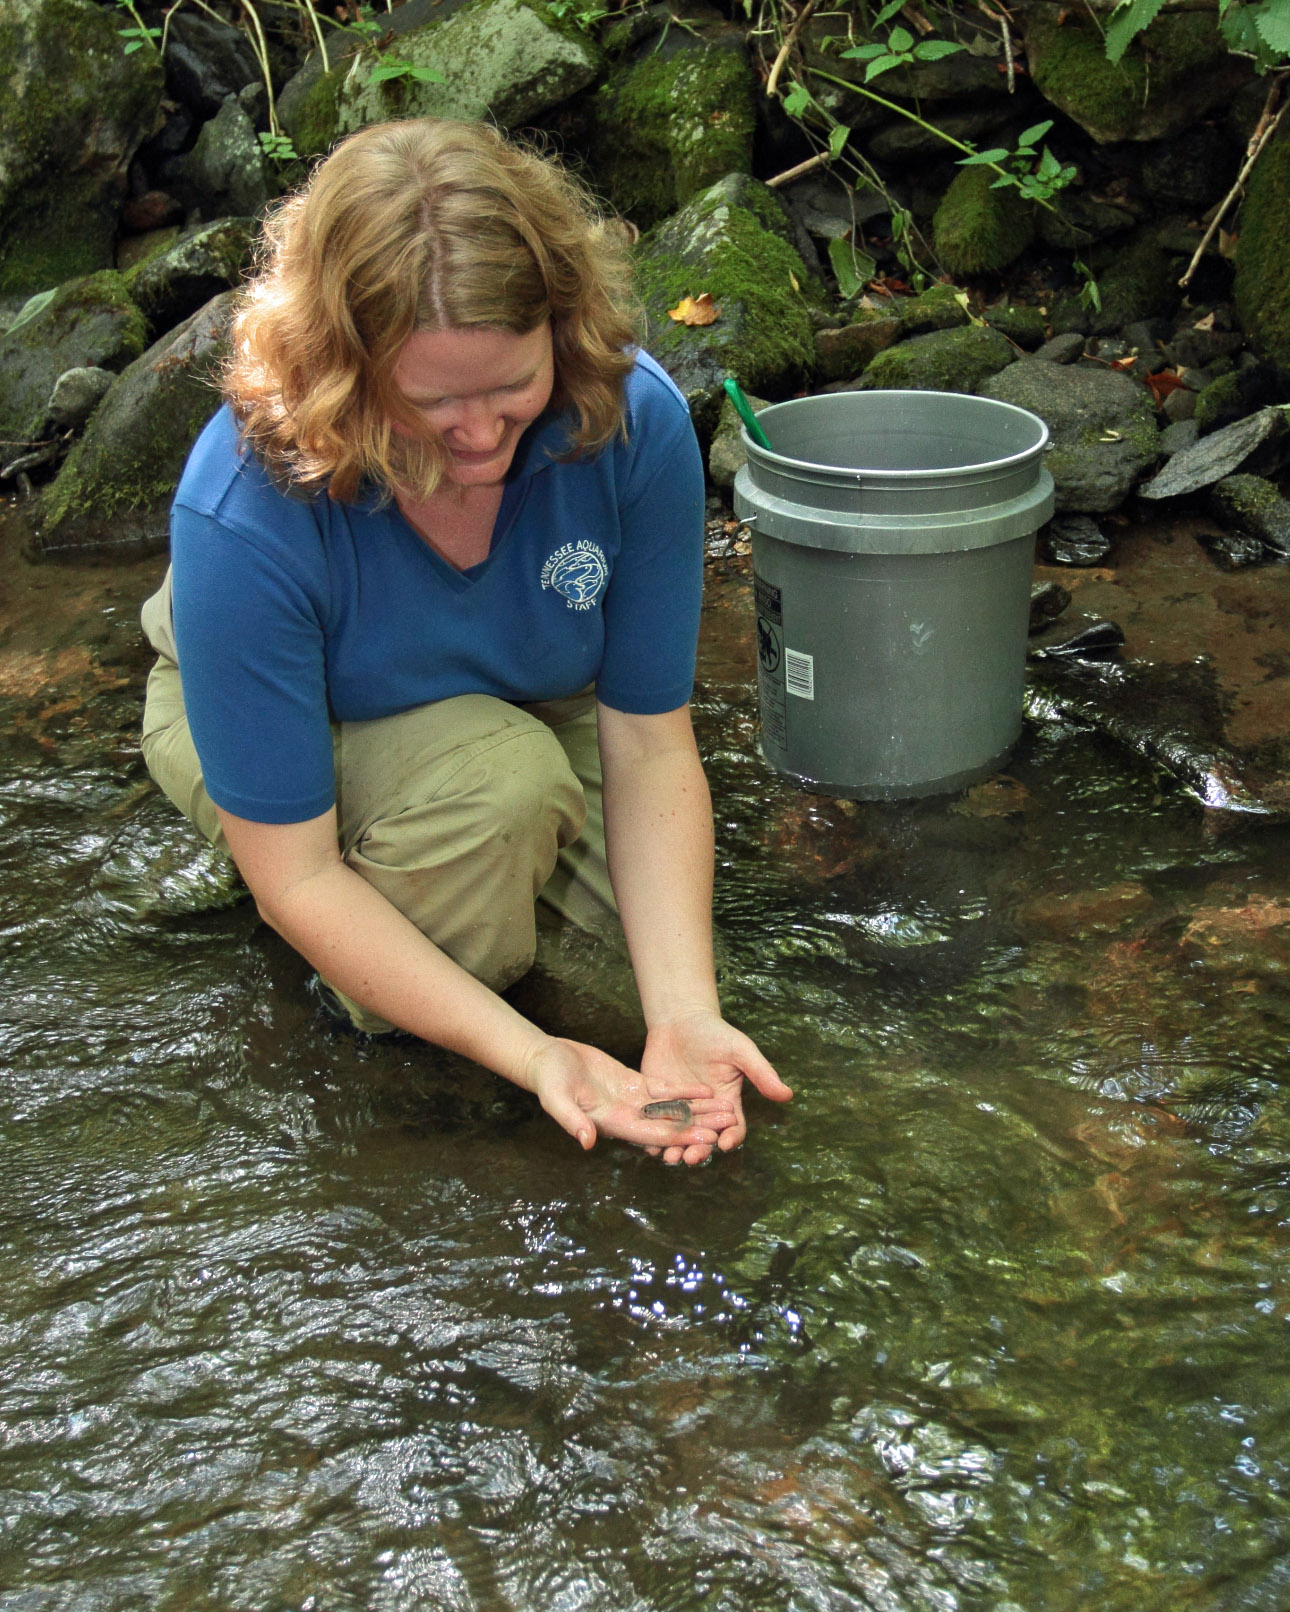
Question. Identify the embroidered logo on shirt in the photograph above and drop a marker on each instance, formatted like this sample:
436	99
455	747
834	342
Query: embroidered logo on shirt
578	573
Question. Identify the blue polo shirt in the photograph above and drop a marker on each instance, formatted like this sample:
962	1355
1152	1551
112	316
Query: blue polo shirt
291	613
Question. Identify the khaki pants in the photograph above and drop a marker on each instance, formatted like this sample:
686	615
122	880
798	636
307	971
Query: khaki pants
462	813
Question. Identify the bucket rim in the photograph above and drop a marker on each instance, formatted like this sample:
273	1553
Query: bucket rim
772	460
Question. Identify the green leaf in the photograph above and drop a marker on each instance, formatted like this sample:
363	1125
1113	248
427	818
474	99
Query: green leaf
1130	19
899	40
865	53
1274	27
797	100
1035	133
934	50
426	75
1049	167
853	269
839	134
981	158
888	12
882	65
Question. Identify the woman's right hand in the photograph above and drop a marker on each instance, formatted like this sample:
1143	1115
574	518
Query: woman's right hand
589	1093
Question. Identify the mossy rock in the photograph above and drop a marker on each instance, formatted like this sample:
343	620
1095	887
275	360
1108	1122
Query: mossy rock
507	60
979	230
1020	322
941	361
199	264
1254	506
74	110
113	491
667	127
733	240
1171	75
937	308
1262	288
88	323
1103	426
1139	282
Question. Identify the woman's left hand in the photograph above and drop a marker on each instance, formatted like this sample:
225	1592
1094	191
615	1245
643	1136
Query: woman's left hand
701	1046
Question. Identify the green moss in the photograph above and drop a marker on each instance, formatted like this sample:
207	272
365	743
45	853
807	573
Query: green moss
1020	322
1253	501
937	308
1218	403
979	230
1262	287
64	73
1070	69
1140	282
941	361
316	117
765	326
668	127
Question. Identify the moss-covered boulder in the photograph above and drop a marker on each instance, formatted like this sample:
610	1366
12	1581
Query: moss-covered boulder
734	241
73	109
88	323
979	230
1172	74
114	489
844	352
941	361
227	166
1262	288
1102	424
507	60
199	264
1138	281
937	308
668	126
1254	507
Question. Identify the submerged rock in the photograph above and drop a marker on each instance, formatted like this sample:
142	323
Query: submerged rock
1047	601
1081	639
1103	428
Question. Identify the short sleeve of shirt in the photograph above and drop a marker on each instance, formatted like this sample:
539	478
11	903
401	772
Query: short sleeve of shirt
655	594
249	609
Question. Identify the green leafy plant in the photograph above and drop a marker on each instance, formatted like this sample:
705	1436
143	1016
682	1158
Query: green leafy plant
1038	175
393	67
1089	294
1259	29
900	48
278	148
582	13
139	34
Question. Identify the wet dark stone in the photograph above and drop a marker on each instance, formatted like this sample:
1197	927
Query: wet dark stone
206	62
1179	435
1063	349
1075	540
1251	506
1081	640
1232	550
1047	601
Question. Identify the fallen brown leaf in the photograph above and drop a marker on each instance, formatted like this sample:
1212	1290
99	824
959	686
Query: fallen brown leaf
700	310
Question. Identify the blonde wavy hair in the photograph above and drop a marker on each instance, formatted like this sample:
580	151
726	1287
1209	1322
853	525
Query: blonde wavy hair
420	225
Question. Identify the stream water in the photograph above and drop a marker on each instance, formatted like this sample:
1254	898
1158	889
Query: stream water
992	1316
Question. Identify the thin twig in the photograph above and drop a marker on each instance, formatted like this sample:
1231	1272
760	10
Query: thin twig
789	174
781	57
1264	129
1008	54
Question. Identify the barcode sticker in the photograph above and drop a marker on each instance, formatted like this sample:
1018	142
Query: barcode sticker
799	673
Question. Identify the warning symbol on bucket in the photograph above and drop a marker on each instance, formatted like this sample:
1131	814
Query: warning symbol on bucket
769	649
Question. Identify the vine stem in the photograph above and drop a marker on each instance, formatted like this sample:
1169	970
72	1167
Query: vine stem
789	174
1264	129
781	56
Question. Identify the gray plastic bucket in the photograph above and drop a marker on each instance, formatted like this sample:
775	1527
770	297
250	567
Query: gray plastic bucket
893	547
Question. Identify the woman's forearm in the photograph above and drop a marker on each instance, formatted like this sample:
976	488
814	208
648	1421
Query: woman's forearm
365	947
658	829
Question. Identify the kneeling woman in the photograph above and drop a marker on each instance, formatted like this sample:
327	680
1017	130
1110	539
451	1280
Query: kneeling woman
436	567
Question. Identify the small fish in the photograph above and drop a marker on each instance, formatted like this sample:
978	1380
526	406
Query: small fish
673	1108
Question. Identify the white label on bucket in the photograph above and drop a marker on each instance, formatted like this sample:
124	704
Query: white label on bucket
799	673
